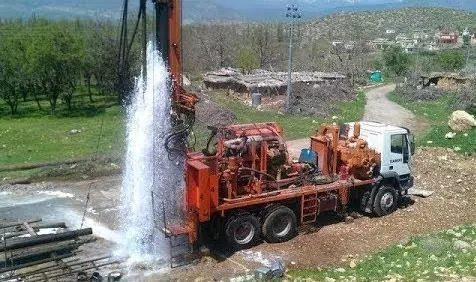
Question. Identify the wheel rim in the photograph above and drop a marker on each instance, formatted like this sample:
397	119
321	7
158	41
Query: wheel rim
244	233
282	225
386	201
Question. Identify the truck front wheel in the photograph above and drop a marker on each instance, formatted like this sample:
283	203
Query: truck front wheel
279	225
385	201
242	231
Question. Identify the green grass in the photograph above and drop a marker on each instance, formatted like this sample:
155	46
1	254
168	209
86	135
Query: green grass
438	113
429	258
47	138
295	126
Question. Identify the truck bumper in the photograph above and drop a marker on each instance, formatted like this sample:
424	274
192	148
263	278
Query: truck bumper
406	184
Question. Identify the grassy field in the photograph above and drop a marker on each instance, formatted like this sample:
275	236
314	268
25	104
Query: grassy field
438	113
34	136
38	137
445	256
46	138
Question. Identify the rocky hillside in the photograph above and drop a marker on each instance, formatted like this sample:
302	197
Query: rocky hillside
216	10
372	24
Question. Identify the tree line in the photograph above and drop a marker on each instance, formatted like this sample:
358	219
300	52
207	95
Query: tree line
46	60
42	60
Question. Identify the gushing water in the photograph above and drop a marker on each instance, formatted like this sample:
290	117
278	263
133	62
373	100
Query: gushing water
147	164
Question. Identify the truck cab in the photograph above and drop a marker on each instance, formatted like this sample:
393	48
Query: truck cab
396	147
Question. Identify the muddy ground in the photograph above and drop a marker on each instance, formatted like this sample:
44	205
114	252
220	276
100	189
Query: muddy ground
329	243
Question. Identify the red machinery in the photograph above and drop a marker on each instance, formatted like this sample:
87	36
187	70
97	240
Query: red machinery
249	170
244	185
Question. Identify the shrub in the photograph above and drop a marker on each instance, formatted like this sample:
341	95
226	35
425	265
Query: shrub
451	60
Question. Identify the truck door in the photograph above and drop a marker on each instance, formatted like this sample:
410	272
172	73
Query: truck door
399	155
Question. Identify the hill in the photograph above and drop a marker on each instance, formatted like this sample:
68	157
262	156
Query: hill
216	10
372	24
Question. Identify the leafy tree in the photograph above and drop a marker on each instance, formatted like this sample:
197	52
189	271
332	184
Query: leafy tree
12	70
377	64
266	45
451	60
247	60
55	58
396	60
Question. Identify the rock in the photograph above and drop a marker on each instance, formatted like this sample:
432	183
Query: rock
349	219
116	166
185	81
429	142
328	279
456	149
443	158
352	264
459	180
461	121
74	131
450	135
461	245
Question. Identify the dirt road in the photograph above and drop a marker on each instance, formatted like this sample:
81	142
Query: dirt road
380	109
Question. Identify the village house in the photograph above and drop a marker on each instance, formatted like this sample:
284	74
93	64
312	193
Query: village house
448	38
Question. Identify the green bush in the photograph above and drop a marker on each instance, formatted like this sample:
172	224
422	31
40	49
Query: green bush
451	60
247	60
396	60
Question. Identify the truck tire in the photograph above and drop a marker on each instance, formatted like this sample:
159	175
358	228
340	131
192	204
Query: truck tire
279	225
385	201
242	231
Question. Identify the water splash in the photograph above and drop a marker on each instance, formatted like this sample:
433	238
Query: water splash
147	164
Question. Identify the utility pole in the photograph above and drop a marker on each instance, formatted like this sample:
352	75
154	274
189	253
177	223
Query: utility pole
292	13
467	44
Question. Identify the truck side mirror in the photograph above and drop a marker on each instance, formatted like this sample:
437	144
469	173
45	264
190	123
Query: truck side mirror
412	143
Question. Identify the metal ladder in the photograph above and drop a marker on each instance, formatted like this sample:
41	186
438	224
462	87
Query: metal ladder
309	208
181	251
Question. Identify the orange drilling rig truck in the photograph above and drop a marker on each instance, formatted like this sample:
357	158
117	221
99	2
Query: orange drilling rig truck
245	187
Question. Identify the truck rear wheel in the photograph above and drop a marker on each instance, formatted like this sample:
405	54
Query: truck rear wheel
279	225
242	231
385	201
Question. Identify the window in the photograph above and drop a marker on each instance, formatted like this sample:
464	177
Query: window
396	143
